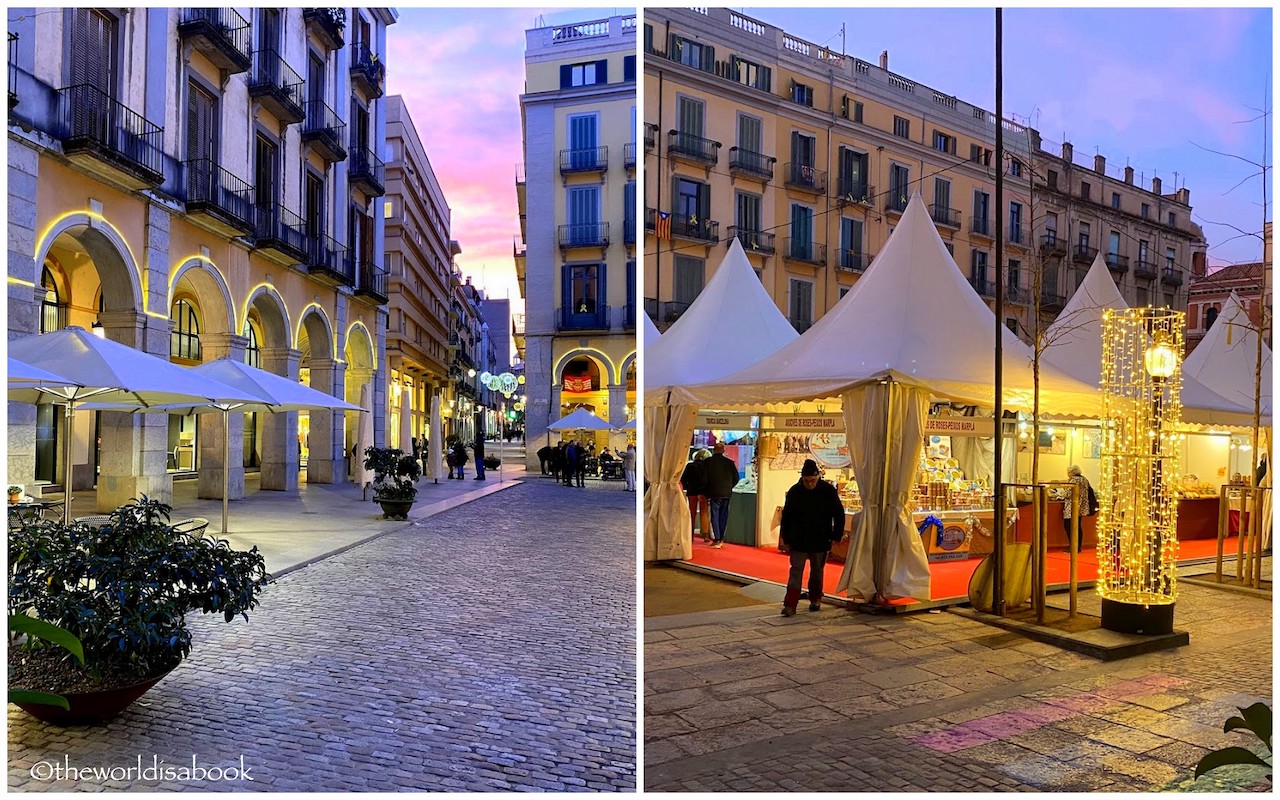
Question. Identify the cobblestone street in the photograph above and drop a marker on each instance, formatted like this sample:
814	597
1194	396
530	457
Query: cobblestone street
489	648
745	700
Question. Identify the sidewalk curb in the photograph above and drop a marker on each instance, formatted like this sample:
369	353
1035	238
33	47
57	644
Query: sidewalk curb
426	512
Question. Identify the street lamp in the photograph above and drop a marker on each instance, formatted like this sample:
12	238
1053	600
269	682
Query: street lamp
1138	518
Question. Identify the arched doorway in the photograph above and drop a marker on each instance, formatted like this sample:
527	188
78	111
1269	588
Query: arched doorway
359	355
274	436
584	383
320	433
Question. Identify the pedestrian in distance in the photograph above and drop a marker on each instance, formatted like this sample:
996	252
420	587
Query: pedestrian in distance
581	472
722	476
629	467
812	520
477	449
460	458
1079	507
694	482
571	457
544	456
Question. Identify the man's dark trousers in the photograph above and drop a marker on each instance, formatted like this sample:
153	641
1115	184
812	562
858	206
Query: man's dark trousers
816	561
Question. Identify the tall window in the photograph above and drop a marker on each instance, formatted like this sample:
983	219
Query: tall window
583	214
1083	237
941	198
52	310
1113	245
1050	228
202	125
981	212
690	122
583	140
804	150
583	288
313	205
747	212
184	340
1170	255
980	269
266	171
629	205
851	255
750	134
1085	189
899	186
692	54
1142	252
1015	223
801	303
1115	200
253	345
93	50
688	274
801	232
853	175
751	74
902	127
1210	316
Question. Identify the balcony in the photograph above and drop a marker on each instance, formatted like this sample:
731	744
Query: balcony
651	219
856	192
684	226
1117	263
695	149
584	159
805	251
1084	254
982	286
1050	300
372	281
367	70
280	230
323	131
275	85
221	34
949	217
1015	235
579	320
805	178
1052	245
1016	294
629	155
670	312
801	325
896	202
853	260
752	165
1144	269
328	25
760	242
983	228
1171	275
98	131
327	260
218	196
366	172
583	234
650	136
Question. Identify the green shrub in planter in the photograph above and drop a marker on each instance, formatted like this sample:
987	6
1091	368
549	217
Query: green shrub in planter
123	590
393	474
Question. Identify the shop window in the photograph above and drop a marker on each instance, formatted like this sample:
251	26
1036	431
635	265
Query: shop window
53	311
253	345
184	340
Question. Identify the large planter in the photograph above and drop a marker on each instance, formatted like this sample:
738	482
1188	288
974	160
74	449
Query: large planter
87	708
395	509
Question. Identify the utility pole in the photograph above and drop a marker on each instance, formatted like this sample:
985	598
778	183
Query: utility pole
997	556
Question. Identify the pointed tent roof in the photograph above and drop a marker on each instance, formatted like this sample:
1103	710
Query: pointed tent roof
1225	360
732	323
1075	347
650	336
580	419
912	317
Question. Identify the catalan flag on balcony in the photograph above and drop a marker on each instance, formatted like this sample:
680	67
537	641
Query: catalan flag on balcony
663	228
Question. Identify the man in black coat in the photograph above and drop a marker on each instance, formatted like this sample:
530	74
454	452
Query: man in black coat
544	455
569	466
812	519
580	471
721	477
477	448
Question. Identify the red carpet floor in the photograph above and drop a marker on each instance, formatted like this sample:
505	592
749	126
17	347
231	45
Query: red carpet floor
950	579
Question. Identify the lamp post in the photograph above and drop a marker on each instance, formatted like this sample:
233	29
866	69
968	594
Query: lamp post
1137	521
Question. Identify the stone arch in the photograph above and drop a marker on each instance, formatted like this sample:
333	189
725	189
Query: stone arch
209	288
273	316
605	363
359	350
626	365
117	268
317	326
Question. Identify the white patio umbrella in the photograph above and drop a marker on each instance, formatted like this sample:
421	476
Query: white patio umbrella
364	437
260	391
435	457
629	426
23	375
108	372
406	421
580	419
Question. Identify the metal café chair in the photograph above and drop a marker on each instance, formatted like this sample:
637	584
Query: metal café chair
95	520
194	525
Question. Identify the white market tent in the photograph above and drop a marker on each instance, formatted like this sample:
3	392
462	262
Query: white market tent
580	419
911	328
1226	359
1075	346
651	333
733	323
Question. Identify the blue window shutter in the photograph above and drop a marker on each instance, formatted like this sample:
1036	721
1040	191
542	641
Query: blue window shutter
602	71
602	295
566	76
629	68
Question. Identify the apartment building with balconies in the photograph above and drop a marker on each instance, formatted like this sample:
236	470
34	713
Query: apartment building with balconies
420	253
577	201
199	183
808	157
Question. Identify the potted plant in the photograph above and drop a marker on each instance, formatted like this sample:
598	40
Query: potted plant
122	590
393	475
15	494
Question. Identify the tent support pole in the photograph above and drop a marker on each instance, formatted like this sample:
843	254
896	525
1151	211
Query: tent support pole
226	464
66	464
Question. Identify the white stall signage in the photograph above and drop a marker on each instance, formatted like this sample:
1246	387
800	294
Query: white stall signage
827	423
960	426
723	422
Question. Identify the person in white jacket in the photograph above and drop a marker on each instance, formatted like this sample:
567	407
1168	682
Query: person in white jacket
629	467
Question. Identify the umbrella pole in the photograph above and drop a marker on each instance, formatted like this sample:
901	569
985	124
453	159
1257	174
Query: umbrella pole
66	467
226	463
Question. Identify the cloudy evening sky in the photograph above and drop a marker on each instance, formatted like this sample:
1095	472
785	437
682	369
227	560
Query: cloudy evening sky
1139	86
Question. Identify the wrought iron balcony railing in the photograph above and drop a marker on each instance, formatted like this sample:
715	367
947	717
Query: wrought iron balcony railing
327	260
1052	244
366	171
213	191
753	241
629	155
1117	263
982	286
1171	275
896	201
279	229
324	131
584	159
982	227
1016	235
1050	300
690	227
692	148
854	260
95	124
805	177
670	311
756	165
221	34
1144	269
372	281
852	191
945	216
367	70
584	234
575	319
805	250
328	24
274	83
1084	253
650	136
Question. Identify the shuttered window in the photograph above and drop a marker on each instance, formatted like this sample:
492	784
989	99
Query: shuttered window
688	273
93	50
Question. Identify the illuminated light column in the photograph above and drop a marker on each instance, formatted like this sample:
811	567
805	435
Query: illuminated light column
1138	518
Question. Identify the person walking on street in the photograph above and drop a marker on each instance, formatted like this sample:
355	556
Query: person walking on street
812	520
477	449
581	472
544	456
460	458
694	482
570	466
629	467
722	476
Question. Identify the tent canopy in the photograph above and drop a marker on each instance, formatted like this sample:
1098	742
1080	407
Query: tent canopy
580	420
651	333
912	318
732	324
1226	359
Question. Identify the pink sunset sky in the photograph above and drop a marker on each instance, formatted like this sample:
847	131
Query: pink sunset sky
461	73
